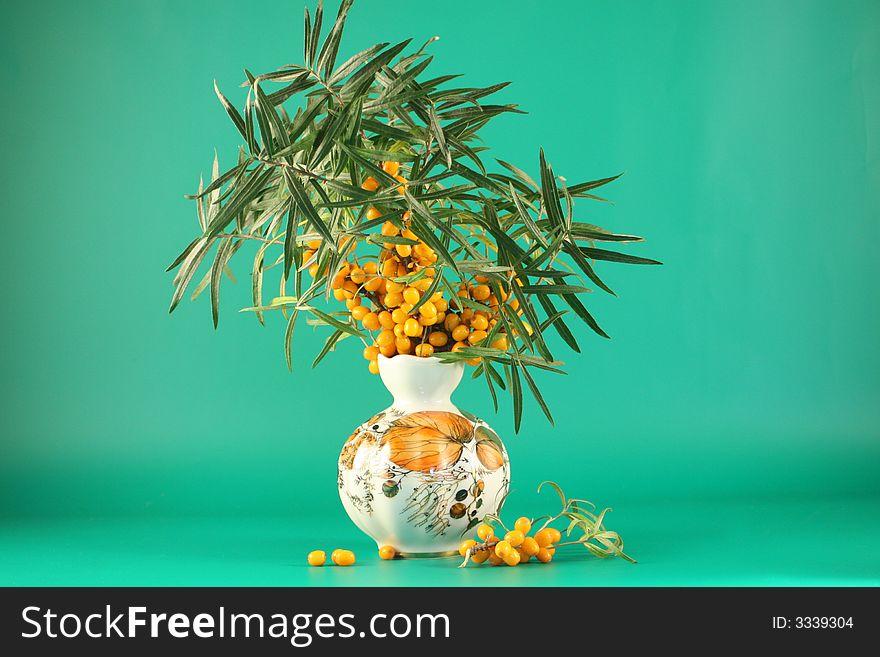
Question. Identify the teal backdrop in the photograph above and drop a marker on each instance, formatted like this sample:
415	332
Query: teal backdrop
732	421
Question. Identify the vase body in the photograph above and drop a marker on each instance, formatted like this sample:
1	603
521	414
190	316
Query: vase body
420	474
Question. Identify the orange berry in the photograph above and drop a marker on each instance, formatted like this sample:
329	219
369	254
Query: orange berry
357	275
339	294
452	320
386	320
343	557
514	537
473	362
478	323
391	168
481	292
502	548
438	338
530	546
399	316
544	555
411	295
460	333
412	328
314	245
371	353
373	213
547	536
477	336
403	344
458	346
400	330
393	299
389	229
402	189
359	312
394	286
523	524
372	284
353	303
313	270
485	532
511	557
465	546
386	337
523	557
371	267
389	268
428	309
371	322
481	556
403	250
317	558
424	350
387	350
370	184
373	367
494	559
386	552
406	307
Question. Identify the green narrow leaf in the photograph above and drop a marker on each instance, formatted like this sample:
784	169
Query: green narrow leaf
575	190
249	133
558	490
584	314
290	239
257	281
537	394
307	35
188	268
484	366
327	58
240	198
329	344
426	296
316	33
585	266
557	323
332	321
437	131
353	62
528	222
231	111
288	339
304	203
549	194
519	173
614	256
216	273
516	391
556	288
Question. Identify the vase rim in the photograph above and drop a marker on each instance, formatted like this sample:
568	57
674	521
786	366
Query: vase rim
432	360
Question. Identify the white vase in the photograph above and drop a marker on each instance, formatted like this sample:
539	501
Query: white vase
421	473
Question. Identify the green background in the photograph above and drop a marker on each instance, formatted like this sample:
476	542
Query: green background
732	422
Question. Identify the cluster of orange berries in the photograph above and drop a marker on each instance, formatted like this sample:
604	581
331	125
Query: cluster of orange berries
515	548
339	557
406	322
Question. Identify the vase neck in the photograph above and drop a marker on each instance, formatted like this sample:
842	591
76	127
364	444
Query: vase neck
420	382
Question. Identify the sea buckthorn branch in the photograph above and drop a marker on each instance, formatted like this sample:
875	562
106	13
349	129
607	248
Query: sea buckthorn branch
517	546
363	183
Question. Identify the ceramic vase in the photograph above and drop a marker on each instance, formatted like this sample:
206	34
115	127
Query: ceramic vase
420	474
